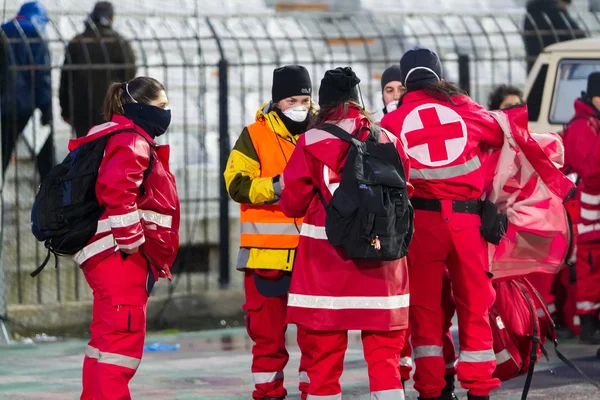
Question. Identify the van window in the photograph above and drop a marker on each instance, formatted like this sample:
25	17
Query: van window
571	81
536	94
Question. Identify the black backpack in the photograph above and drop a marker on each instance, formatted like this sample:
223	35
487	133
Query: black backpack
65	212
370	215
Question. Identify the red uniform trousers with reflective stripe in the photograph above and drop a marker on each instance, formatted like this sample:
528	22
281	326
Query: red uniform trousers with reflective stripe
118	326
588	278
452	240
449	307
325	351
266	325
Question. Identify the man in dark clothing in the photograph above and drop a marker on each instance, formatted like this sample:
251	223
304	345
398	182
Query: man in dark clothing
538	33
25	90
82	84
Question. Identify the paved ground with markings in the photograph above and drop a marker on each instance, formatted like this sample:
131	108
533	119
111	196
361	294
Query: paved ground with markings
215	365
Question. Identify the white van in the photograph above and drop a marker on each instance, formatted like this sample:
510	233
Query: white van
557	78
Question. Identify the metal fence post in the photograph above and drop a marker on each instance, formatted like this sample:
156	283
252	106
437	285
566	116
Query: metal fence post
224	149
464	72
4	333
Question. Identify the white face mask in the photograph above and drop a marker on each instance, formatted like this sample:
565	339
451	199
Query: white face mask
297	114
392	106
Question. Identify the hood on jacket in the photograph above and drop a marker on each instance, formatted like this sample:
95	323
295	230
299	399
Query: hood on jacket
583	109
36	13
268	114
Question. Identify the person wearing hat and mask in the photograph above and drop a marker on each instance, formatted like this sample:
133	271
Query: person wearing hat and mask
582	150
82	88
268	238
331	294
392	90
445	135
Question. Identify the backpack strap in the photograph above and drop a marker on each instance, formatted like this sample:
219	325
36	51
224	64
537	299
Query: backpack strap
339	133
535	339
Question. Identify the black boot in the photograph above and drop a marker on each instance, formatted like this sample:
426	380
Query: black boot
274	398
589	334
471	397
448	392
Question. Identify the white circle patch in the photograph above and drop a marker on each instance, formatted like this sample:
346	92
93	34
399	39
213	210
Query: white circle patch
434	135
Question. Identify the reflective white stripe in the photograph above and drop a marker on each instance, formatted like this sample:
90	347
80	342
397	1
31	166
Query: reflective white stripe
103	226
133	245
406	362
591	199
330	397
587	305
394	394
576	320
448	172
581	228
94	248
451	365
258	228
590	215
477	356
166	221
541	313
266	377
331	186
347	303
120	360
503	357
121	221
551	308
427	351
303	377
92	352
314	232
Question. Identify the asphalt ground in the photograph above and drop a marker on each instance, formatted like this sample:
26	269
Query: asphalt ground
216	365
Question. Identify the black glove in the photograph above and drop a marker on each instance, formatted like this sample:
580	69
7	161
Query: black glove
493	224
277	185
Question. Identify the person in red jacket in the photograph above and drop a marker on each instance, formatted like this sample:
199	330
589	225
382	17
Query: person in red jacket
137	237
582	151
392	90
445	135
331	294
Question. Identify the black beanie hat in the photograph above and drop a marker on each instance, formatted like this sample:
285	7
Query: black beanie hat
289	81
593	85
338	86
419	66
103	13
391	74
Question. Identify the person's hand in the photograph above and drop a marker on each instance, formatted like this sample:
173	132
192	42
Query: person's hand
130	251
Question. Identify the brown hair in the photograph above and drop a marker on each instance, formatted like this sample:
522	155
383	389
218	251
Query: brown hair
143	89
326	112
442	90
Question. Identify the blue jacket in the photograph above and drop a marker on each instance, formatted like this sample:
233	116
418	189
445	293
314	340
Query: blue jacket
23	92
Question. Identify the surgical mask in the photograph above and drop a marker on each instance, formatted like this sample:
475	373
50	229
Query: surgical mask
154	120
392	106
297	114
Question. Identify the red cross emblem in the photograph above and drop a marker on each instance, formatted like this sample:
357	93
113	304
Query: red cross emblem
434	135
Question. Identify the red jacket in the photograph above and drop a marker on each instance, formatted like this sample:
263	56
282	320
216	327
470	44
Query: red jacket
131	220
329	291
582	152
445	144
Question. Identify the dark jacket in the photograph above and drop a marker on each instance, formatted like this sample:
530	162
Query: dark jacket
23	92
83	88
538	33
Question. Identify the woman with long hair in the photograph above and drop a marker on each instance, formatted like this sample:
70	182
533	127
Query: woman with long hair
137	237
330	293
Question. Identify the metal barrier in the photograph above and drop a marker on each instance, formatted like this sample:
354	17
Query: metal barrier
217	71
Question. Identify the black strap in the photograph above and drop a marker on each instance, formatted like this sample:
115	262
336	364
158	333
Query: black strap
535	339
41	267
574	367
338	132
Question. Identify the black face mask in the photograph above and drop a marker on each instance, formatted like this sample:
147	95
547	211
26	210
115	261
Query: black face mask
154	120
295	128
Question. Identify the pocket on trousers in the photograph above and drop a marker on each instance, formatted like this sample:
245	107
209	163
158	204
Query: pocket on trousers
129	318
252	308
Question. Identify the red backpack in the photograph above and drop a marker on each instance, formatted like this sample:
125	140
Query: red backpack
521	323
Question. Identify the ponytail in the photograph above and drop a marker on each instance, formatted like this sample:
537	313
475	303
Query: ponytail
112	102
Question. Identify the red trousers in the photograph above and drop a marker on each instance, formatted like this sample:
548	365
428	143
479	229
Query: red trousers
449	307
118	327
325	350
266	325
588	278
453	240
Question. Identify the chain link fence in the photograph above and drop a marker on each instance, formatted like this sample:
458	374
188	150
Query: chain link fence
217	71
